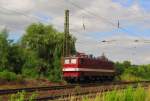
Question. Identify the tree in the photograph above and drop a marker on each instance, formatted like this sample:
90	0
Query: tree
16	58
119	68
127	64
4	46
44	40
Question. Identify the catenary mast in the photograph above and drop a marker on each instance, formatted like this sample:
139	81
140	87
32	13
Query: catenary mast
66	48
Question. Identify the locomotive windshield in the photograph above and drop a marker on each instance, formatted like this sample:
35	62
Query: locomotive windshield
73	61
70	61
66	61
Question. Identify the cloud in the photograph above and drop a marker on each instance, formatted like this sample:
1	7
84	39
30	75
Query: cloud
18	4
98	16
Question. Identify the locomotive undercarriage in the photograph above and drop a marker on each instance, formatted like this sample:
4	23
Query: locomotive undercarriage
89	79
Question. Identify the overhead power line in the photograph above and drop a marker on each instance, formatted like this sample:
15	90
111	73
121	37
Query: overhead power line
91	13
101	17
18	12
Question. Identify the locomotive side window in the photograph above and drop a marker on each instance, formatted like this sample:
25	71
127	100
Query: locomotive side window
73	61
66	61
81	61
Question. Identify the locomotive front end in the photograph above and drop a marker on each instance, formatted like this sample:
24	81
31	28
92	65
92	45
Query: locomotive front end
70	69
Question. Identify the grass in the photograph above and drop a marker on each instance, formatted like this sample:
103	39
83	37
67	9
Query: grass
129	94
21	96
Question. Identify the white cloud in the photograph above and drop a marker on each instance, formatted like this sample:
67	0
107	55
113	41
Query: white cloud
23	6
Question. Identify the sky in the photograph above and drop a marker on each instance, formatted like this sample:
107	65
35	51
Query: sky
100	18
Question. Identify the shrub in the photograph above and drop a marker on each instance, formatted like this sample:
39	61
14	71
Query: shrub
130	77
8	76
20	78
30	73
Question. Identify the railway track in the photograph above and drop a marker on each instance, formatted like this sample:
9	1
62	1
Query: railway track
92	92
98	87
33	89
45	88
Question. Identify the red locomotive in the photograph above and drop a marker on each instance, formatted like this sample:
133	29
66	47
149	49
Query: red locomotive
87	68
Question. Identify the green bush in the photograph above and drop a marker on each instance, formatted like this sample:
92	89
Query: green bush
130	77
8	76
30	73
20	78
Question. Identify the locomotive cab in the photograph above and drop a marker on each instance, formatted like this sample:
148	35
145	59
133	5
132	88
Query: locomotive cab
70	68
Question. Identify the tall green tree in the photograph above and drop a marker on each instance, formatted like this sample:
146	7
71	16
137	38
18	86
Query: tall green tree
47	43
16	58
11	54
4	46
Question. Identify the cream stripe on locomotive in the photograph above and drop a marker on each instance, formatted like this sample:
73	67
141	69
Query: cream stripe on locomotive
86	69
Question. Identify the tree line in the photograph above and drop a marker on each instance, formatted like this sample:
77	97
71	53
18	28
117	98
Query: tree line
129	72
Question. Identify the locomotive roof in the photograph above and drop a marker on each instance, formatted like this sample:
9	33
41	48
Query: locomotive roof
89	57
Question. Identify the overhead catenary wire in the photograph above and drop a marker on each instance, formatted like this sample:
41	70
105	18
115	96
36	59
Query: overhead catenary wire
106	20
25	15
33	17
91	13
119	27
